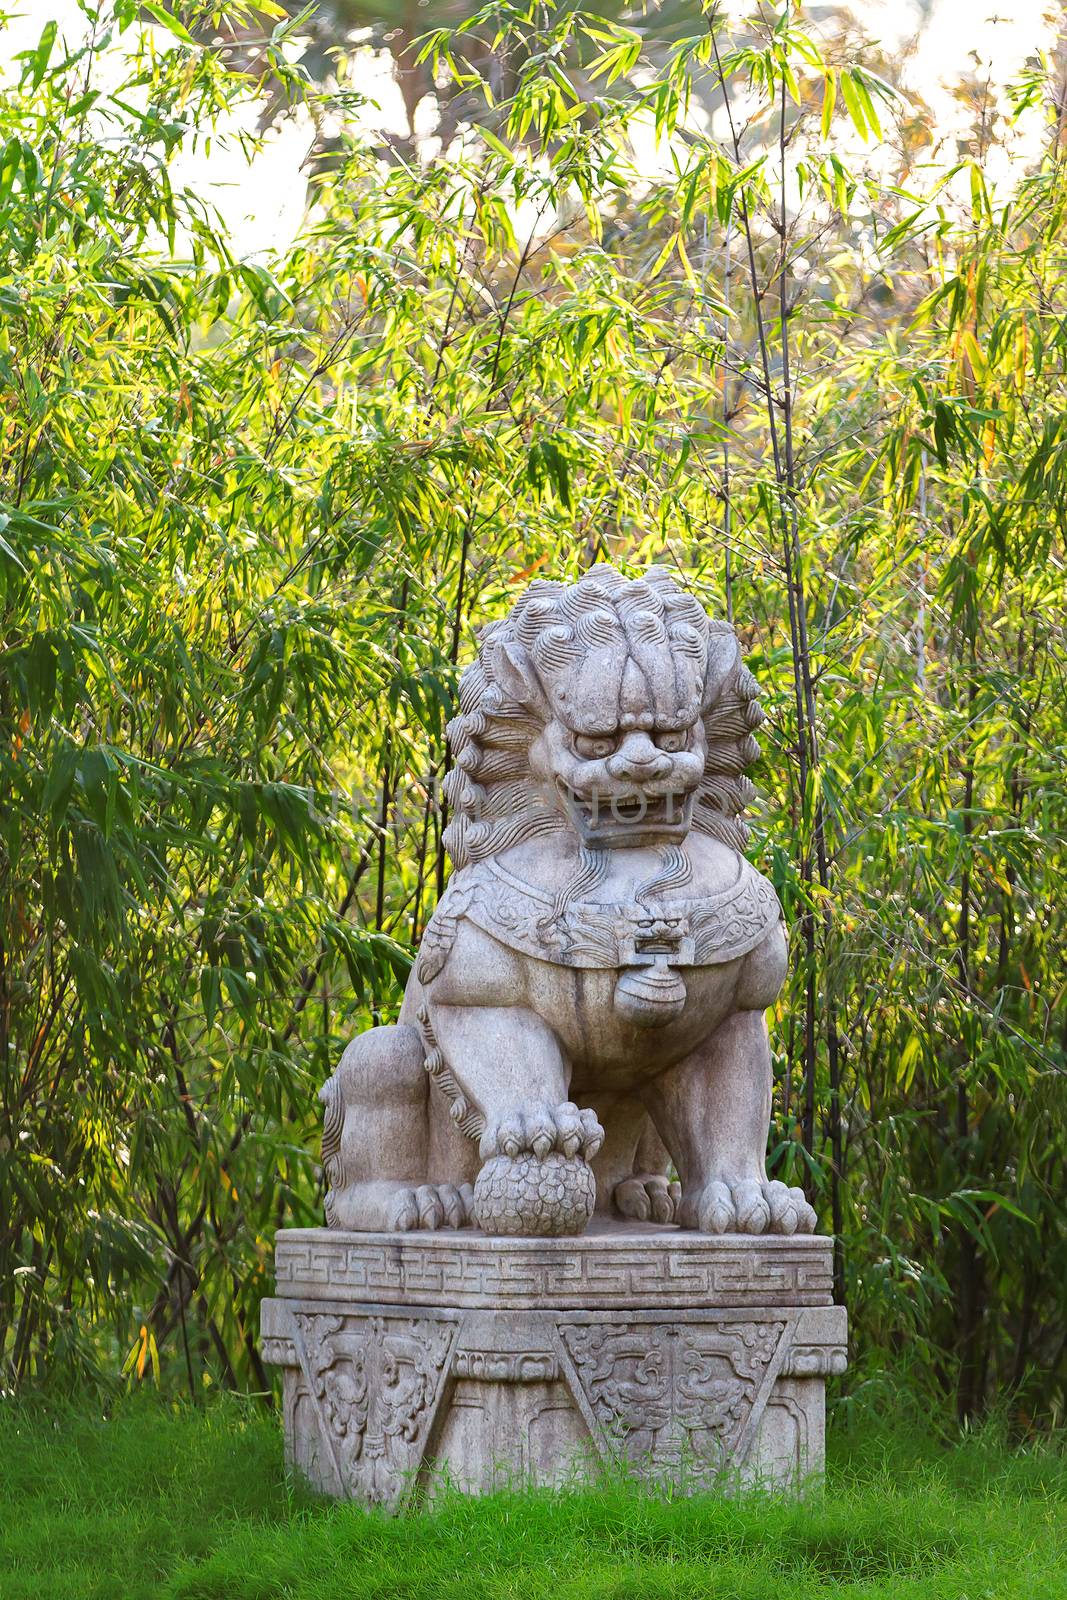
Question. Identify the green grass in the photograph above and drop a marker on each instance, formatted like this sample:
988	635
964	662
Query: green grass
163	1501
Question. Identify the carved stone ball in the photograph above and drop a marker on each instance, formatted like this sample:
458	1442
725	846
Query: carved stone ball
534	1196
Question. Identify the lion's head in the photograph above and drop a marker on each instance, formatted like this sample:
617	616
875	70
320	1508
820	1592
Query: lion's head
615	707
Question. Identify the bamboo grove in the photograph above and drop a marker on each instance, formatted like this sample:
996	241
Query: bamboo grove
252	511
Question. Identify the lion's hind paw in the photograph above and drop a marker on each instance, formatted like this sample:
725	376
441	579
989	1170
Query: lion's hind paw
432	1206
398	1205
647	1197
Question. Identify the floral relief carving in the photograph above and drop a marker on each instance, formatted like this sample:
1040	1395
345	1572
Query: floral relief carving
673	1398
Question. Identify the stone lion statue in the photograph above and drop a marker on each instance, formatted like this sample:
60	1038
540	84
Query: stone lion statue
587	1007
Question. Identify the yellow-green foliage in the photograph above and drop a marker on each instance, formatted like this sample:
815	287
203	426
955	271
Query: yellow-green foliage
252	512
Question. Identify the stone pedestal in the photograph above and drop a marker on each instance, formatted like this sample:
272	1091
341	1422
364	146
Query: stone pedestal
413	1358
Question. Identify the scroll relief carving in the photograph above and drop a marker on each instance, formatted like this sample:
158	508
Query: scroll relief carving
506	1366
815	1361
375	1383
674	1399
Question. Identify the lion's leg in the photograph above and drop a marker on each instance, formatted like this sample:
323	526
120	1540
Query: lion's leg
648	1192
509	1064
375	1142
631	1169
713	1111
453	1158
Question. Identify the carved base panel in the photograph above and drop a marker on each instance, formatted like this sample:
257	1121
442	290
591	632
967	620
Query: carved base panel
382	1399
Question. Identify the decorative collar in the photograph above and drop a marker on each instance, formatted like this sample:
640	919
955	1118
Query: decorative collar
696	932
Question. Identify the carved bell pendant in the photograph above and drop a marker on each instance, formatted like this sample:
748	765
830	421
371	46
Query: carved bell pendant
650	996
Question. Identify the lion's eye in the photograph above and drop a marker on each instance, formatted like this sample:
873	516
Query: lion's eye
672	743
594	746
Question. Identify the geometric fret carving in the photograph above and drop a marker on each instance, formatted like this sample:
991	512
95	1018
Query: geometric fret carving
682	1270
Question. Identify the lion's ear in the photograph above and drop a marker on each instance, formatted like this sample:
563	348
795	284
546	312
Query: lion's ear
516	674
723	656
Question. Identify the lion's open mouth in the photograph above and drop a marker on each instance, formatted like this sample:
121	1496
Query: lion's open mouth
632	808
607	813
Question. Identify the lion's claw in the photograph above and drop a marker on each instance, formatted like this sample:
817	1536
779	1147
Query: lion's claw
542	1128
432	1206
745	1205
647	1197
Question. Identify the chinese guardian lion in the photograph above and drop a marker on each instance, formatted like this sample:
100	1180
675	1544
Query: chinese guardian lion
587	1007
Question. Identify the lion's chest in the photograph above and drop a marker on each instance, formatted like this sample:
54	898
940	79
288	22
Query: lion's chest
602	1037
610	1042
641	928
628	985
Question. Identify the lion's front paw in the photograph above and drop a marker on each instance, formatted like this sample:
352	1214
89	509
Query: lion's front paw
647	1197
541	1128
731	1205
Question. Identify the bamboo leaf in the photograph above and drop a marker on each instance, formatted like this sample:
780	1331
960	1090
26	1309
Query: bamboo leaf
854	104
829	100
168	20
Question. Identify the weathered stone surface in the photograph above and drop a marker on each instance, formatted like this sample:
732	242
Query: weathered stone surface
582	1039
586	1010
380	1398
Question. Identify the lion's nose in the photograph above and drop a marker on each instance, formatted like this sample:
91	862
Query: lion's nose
637	758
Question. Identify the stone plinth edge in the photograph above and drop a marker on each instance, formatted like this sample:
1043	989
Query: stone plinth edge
610	1266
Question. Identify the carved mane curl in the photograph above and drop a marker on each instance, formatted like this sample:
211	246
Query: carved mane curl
494	796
